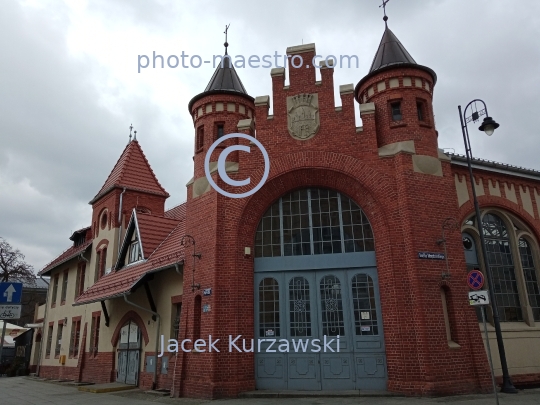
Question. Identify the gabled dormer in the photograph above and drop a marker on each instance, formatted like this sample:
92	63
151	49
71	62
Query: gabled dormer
144	233
131	250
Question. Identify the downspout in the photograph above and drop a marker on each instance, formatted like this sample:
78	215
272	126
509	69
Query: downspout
181	273
120	222
154	378
43	331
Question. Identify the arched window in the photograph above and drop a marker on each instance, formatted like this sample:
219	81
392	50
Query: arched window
529	273
311	222
501	263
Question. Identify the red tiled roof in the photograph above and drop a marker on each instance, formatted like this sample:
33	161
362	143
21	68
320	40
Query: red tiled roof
153	230
178	212
119	282
68	254
133	172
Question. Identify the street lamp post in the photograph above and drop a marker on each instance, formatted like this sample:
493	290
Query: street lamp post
488	126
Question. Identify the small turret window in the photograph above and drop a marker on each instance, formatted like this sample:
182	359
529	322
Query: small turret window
200	138
420	110
220	132
396	111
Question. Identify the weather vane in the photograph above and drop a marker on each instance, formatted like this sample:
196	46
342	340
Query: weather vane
130	129
225	32
383	5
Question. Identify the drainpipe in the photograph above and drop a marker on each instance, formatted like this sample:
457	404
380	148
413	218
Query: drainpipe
120	221
154	379
43	331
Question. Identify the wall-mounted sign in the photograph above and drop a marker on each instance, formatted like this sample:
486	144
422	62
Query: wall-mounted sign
206	308
478	297
431	255
269	332
475	279
10	312
206	292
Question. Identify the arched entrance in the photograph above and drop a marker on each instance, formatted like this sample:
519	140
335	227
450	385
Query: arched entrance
318	322
129	349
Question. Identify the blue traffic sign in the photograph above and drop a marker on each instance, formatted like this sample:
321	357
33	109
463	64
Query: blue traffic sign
475	279
10	293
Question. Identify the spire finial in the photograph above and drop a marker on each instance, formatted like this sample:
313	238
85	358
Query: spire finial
226	43
135	136
130	129
385	18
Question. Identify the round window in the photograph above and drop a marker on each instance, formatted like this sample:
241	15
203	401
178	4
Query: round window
104	220
467	243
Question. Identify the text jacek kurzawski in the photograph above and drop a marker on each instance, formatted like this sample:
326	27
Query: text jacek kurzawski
237	344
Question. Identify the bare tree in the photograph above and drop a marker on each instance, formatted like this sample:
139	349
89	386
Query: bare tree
12	265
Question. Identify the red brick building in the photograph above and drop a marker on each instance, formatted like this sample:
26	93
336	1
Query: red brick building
330	252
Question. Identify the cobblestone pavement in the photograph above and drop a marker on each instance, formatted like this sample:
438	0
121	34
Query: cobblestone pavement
24	391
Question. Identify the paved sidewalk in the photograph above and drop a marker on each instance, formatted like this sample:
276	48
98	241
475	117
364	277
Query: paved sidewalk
24	391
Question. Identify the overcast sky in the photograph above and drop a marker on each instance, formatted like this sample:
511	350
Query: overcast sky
69	86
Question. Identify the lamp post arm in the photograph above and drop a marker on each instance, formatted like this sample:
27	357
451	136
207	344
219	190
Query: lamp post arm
507	387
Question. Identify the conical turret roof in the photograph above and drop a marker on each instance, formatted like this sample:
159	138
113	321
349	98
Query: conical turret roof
225	80
392	54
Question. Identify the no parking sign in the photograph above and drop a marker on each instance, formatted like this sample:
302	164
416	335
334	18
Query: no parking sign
475	279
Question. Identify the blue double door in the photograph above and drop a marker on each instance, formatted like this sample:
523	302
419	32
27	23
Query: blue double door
319	330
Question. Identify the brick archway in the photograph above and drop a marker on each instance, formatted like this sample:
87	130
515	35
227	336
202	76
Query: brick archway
135	317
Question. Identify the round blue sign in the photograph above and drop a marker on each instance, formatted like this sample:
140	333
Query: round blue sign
475	279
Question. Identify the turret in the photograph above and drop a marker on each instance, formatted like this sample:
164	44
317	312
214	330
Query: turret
217	111
402	93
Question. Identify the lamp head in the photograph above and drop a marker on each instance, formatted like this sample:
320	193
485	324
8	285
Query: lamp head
488	126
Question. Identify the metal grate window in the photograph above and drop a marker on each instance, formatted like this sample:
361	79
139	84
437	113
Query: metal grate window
365	311
299	307
531	280
269	325
502	266
313	221
332	307
296	235
267	238
326	223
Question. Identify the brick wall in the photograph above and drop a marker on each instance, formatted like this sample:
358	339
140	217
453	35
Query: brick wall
405	208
